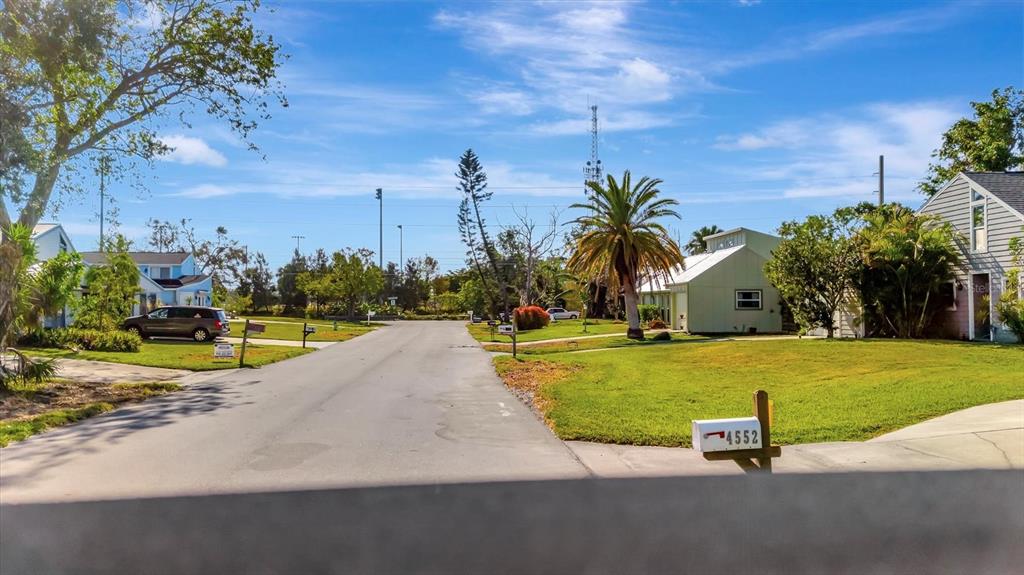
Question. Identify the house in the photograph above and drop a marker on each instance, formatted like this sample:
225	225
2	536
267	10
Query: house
987	209
50	240
166	278
723	290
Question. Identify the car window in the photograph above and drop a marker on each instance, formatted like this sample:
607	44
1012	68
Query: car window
159	313
221	315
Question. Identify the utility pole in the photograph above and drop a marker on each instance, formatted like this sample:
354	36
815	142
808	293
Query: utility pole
104	161
380	198
297	240
881	180
401	250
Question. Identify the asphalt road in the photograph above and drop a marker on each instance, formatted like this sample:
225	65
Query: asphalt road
414	402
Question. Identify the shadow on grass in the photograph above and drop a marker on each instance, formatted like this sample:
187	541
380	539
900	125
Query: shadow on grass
54	446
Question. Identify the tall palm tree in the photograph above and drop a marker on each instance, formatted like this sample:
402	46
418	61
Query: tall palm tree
697	245
621	237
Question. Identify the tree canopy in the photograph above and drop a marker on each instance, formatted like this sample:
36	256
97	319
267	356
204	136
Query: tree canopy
82	79
991	141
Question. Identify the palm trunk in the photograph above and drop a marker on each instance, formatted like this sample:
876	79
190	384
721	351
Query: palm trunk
632	311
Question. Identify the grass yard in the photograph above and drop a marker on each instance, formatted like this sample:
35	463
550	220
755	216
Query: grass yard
179	355
555	330
292	330
840	390
585	344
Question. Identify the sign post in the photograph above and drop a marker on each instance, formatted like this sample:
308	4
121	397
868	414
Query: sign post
249	327
492	324
369	314
745	440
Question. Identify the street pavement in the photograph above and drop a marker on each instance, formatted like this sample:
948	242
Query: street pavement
416	402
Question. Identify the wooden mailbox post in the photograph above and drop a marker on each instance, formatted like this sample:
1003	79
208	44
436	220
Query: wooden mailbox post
723	439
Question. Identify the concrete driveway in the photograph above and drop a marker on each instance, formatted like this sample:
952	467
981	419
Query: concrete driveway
416	402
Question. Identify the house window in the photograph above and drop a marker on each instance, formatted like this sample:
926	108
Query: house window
162	273
947	296
979	222
748	299
63	245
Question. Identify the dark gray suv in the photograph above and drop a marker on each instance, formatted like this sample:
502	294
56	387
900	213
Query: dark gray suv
198	323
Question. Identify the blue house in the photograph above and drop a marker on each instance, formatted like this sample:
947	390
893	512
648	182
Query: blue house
166	278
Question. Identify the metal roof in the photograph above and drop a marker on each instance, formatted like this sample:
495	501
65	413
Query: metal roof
141	258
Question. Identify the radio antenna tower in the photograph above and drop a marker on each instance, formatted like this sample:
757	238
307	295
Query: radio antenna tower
593	170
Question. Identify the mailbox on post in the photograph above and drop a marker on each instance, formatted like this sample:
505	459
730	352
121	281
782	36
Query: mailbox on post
726	434
745	440
505	329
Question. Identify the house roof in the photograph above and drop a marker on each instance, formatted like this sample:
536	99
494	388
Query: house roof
179	282
41	229
1007	186
695	266
141	258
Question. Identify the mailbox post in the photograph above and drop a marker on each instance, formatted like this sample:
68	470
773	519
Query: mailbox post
306	330
253	327
745	440
509	330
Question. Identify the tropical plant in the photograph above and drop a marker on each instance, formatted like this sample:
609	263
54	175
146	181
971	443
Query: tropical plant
17	254
1010	306
111	288
814	267
530	317
907	257
697	245
992	141
622	238
55	286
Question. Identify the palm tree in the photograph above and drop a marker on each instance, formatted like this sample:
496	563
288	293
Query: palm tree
621	237
697	245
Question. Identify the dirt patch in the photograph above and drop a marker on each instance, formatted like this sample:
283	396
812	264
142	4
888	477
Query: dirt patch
526	378
66	394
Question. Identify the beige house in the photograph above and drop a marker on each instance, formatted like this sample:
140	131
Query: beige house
723	290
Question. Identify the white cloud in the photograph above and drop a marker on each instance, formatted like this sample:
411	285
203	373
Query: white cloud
188	150
207	191
834	155
504	101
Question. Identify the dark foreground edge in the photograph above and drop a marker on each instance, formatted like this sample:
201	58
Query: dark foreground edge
943	522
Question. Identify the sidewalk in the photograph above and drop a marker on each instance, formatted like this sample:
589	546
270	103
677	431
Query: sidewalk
983	437
108	372
284	342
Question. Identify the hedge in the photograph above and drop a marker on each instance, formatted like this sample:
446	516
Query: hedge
531	317
87	339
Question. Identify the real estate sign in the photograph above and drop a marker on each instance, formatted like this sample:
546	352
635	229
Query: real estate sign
221	350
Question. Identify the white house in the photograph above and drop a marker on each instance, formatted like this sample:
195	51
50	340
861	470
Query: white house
723	290
50	240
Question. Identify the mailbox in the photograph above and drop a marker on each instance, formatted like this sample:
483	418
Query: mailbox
310	329
726	434
505	329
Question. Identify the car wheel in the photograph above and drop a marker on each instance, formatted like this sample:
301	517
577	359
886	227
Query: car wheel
574	316
200	335
134	329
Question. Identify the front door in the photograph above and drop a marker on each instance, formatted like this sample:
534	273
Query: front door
981	294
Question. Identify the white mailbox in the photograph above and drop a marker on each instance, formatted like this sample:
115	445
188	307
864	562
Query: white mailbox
505	329
726	434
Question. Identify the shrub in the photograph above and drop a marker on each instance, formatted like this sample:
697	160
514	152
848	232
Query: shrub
662	336
656	324
88	339
531	317
649	312
1011	308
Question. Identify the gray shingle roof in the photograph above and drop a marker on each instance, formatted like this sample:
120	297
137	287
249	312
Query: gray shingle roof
1007	186
140	257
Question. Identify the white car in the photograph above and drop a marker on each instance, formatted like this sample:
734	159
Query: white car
561	313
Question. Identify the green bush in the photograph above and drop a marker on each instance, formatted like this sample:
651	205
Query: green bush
531	317
1010	308
649	312
87	339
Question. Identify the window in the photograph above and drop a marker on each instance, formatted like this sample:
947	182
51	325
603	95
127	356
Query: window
159	313
979	222
162	273
748	299
947	296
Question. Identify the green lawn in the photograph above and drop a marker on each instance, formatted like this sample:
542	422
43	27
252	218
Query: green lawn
563	328
180	355
841	390
20	429
293	330
585	344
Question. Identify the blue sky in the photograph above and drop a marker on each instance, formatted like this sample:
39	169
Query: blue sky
751	112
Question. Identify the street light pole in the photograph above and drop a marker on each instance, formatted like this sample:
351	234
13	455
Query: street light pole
380	198
401	250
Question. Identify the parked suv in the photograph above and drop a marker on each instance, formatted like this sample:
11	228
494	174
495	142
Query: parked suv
557	313
199	323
